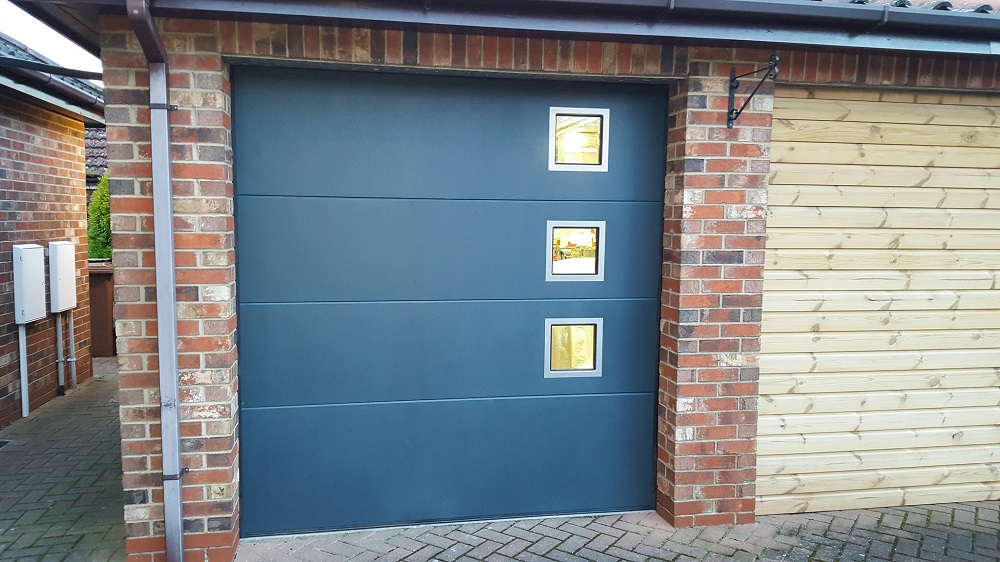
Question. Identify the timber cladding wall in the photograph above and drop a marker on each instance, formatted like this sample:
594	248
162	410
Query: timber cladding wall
879	352
42	199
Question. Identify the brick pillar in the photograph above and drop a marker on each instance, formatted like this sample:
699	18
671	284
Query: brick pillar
205	256
715	207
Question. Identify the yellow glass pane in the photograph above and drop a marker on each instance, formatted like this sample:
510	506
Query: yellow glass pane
573	347
578	139
574	251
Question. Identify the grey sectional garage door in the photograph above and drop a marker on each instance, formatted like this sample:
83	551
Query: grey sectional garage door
393	238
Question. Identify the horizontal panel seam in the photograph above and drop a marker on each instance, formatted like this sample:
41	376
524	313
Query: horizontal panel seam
432	400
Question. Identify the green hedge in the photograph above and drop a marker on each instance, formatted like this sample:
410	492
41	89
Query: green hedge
99	222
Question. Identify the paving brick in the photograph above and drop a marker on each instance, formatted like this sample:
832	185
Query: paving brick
60	477
572	544
543	545
514	547
424	554
814	537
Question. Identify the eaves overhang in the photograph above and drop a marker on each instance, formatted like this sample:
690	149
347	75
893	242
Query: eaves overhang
829	24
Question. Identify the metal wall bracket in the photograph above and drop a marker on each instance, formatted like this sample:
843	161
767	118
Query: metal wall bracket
734	83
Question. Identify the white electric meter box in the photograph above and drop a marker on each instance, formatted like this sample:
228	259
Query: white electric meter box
29	283
62	275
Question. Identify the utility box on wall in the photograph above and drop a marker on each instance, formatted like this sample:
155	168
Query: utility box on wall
29	283
62	275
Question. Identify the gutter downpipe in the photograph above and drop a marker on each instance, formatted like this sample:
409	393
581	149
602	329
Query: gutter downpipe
166	284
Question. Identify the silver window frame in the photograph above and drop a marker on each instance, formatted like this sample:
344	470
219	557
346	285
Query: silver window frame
598	348
601	227
605	115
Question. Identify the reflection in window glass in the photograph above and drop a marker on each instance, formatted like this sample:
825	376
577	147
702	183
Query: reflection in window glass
573	347
578	139
574	251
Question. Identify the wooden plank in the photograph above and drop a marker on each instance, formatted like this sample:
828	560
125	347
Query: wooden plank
886	176
794	424
876	440
822	301
878	361
879	154
860	399
843	461
889	219
881	259
875	239
801	130
879	341
877	479
869	112
878	321
878	196
816	280
800	503
889	96
804	383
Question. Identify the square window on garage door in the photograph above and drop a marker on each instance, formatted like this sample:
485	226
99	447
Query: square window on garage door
575	251
573	347
578	139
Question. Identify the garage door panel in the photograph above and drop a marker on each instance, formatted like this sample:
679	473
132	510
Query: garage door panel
434	250
412	124
358	352
426	461
392	250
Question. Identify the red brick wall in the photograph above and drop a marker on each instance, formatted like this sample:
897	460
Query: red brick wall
42	200
871	70
715	207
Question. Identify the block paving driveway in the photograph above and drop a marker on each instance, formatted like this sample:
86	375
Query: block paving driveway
61	477
960	532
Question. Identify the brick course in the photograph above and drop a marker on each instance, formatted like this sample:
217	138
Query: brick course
42	199
715	209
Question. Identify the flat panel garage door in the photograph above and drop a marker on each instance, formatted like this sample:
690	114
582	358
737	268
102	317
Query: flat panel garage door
881	344
394	234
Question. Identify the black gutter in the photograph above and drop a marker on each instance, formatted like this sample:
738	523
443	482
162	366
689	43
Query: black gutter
862	17
47	82
12	62
770	23
726	22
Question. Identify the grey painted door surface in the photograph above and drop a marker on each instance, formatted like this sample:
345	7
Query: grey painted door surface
391	250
